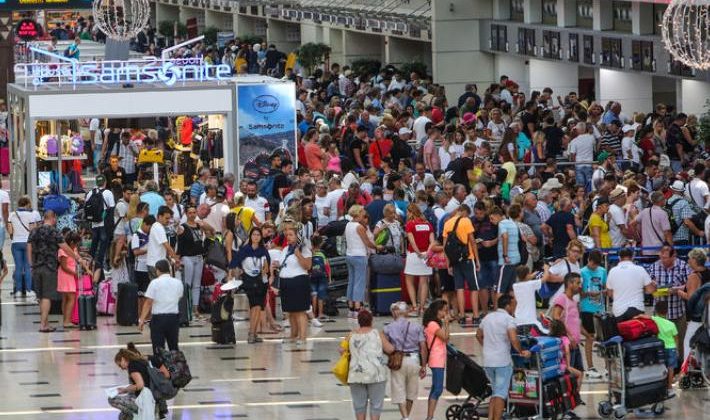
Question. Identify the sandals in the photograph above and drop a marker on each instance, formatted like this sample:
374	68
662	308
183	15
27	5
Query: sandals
47	330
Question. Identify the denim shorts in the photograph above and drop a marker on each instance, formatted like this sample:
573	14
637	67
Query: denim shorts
487	274
500	380
671	358
319	287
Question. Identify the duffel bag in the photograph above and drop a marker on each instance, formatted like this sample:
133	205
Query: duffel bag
636	328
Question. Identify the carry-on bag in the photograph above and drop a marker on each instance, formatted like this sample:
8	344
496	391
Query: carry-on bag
127	304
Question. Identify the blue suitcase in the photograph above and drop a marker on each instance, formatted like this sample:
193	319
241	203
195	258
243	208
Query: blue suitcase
385	289
551	372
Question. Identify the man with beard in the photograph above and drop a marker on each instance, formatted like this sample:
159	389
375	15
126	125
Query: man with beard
259	204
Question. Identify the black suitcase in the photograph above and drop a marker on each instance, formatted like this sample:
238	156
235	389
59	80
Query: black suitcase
127	304
56	307
644	352
223	333
652	393
385	289
605	326
185	304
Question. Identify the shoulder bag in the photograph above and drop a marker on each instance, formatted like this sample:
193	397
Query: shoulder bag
395	359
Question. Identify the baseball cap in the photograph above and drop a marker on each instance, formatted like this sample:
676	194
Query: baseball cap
404	131
601	157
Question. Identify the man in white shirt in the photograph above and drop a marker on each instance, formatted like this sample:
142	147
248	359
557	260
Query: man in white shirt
322	204
617	218
162	299
697	189
218	213
581	149
627	283
335	192
158	246
419	126
457	199
497	334
99	236
259	204
97	141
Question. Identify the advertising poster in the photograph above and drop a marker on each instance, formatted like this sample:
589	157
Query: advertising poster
266	117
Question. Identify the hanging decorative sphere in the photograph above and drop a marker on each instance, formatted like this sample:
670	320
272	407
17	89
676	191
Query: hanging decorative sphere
686	32
121	19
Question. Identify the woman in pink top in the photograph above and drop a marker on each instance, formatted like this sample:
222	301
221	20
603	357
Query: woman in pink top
333	157
67	278
431	151
436	333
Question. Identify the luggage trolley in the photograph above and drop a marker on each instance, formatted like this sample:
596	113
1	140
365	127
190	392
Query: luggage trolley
620	400
531	388
464	373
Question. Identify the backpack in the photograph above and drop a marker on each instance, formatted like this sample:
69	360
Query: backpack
174	361
320	268
161	387
222	309
330	307
668	208
266	186
431	217
455	250
239	232
94	208
522	248
58	203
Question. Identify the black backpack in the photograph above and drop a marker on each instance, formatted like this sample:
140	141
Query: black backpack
671	215
94	208
455	250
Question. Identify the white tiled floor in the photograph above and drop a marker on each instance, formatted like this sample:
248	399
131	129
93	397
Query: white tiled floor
62	375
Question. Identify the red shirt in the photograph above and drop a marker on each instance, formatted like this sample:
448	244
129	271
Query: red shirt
314	156
384	145
420	229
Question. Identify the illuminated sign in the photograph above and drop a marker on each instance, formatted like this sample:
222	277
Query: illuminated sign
151	70
27	29
44	4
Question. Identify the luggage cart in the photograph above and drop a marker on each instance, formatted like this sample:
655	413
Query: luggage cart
462	372
534	404
617	404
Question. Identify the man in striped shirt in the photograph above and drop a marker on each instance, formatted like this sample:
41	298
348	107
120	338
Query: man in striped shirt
611	140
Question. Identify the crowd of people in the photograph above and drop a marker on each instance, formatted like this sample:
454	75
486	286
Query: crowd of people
496	203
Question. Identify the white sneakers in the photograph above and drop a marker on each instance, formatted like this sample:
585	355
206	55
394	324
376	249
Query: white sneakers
593	373
316	323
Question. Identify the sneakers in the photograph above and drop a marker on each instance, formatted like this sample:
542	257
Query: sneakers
593	373
316	323
671	393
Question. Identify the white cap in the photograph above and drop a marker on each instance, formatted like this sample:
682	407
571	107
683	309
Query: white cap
404	130
678	186
231	285
628	128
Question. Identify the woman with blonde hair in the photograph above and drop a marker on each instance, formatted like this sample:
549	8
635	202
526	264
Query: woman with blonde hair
357	245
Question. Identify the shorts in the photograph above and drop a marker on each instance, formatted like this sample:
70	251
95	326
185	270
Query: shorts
319	287
446	281
587	321
506	278
463	275
575	359
45	283
255	289
671	358
487	274
499	378
404	383
142	280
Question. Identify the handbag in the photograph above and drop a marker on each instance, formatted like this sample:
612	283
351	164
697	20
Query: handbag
217	256
395	359
437	260
341	370
150	156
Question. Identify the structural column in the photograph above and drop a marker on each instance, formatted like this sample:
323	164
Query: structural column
602	15
561	77
693	96
457	56
633	90
566	13
532	11
642	20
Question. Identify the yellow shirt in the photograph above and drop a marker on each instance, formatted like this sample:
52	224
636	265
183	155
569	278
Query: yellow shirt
596	221
246	216
464	229
291	61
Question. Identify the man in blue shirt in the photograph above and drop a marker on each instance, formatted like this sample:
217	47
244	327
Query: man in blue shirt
198	187
591	302
151	196
612	114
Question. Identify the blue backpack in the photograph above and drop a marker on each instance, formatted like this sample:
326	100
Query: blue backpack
319	265
266	186
58	203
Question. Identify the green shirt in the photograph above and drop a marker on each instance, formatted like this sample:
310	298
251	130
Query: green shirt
666	331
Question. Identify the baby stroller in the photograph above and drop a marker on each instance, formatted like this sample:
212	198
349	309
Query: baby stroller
464	373
695	372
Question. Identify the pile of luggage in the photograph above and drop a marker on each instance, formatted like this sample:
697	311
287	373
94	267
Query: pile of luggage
539	386
636	365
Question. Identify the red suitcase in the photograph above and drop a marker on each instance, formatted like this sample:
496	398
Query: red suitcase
4	160
636	328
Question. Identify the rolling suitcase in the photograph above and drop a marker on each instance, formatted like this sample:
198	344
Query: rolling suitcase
385	289
85	305
185	304
223	333
644	352
127	304
642	375
639	396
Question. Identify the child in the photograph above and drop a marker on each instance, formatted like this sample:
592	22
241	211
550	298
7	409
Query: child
139	247
320	277
67	278
558	329
591	302
668	333
524	291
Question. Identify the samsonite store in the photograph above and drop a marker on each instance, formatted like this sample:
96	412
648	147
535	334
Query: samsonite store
47	96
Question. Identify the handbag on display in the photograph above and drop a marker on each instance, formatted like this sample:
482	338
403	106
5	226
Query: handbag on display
150	156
